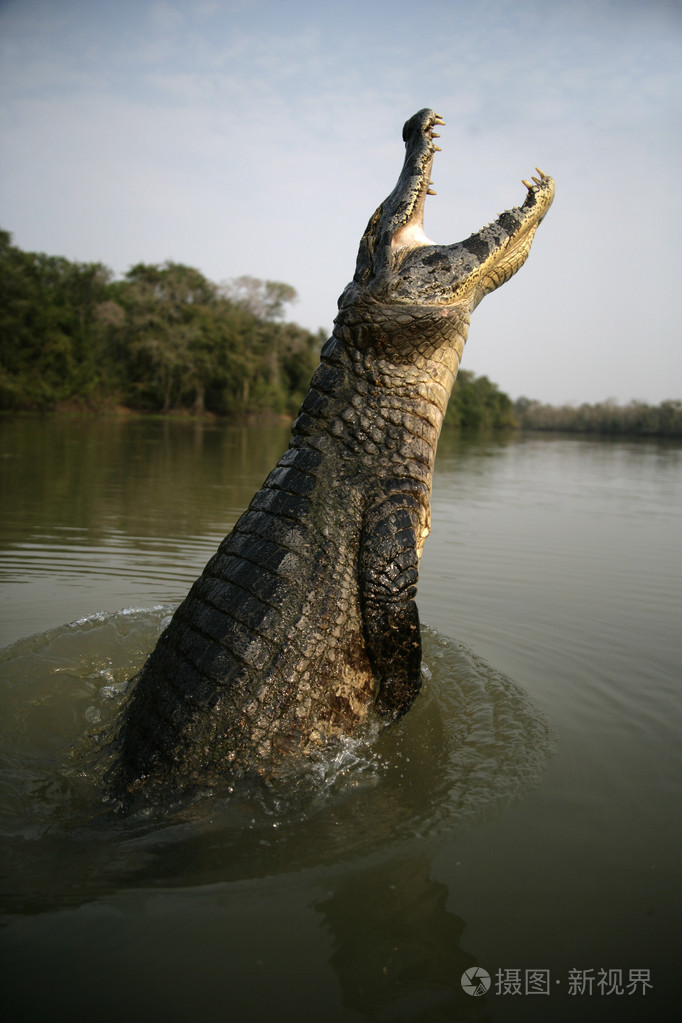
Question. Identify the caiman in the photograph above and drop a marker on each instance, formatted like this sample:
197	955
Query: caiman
303	626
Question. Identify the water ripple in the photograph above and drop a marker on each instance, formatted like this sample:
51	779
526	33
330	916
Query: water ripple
472	744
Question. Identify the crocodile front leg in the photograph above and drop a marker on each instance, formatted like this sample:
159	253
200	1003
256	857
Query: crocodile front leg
388	585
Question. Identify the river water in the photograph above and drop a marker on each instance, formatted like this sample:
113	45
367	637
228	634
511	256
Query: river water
522	820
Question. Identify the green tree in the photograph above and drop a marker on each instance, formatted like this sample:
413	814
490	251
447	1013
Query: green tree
264	299
48	327
162	337
169	351
476	403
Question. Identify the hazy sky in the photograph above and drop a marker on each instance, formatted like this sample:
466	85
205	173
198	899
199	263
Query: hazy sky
257	137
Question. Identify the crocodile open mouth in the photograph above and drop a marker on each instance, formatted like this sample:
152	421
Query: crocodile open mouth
471	268
396	261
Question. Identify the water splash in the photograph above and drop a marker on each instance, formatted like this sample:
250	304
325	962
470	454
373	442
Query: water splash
472	743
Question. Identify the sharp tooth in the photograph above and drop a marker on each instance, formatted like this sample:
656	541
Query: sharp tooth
430	191
536	180
527	184
541	173
435	135
437	149
439	120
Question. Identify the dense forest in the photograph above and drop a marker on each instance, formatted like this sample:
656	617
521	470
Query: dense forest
164	338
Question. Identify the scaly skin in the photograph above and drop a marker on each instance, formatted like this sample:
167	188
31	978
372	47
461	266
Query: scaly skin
304	625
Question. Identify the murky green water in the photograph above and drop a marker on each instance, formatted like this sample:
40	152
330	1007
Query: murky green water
513	826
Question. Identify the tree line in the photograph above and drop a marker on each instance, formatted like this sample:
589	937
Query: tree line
633	419
165	338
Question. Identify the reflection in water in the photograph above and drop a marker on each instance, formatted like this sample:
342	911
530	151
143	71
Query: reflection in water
397	948
105	512
472	743
144	477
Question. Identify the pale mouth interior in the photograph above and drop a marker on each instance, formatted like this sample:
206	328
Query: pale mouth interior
412	232
409	236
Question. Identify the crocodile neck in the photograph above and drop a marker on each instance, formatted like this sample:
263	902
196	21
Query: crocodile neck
376	415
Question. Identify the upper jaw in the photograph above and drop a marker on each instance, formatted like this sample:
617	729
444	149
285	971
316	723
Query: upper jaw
403	211
399	221
396	257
